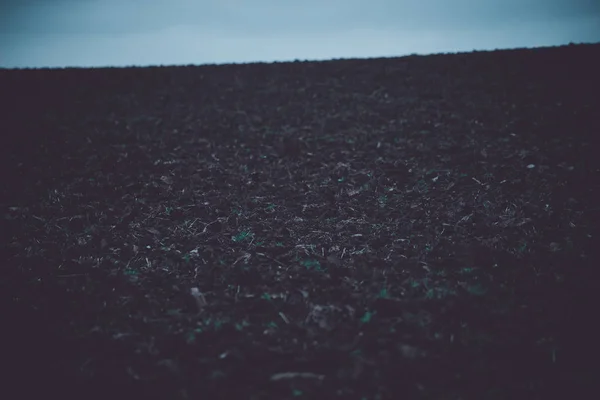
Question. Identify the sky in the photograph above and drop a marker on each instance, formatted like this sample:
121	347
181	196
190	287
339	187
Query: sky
100	33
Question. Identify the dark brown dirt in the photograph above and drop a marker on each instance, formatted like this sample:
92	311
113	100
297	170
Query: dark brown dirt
424	226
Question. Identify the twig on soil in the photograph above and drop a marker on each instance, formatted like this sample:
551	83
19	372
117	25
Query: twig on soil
292	375
199	297
272	259
70	275
284	318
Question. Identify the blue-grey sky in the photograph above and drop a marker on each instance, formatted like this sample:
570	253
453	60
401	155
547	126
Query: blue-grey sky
96	33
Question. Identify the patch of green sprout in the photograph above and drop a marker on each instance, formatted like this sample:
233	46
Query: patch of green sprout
272	325
366	318
241	236
239	326
266	296
382	200
309	264
523	247
477	290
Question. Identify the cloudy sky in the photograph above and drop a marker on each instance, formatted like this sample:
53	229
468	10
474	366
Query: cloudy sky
88	33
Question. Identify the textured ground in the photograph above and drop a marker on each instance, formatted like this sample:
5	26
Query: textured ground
417	226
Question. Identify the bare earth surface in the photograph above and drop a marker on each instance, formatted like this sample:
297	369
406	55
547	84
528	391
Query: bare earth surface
420	227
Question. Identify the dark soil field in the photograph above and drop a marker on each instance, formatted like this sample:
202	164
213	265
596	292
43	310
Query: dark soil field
421	227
